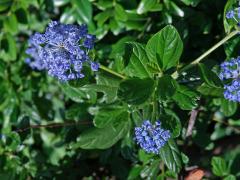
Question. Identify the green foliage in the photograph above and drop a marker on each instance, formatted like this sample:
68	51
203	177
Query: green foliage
135	91
165	48
84	129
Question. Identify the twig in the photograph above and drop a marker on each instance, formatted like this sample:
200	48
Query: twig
191	122
52	125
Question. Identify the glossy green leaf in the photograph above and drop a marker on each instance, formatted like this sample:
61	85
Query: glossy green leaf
84	10
228	23
176	9
120	13
11	24
68	16
137	66
135	91
60	2
5	4
108	85
191	2
208	90
171	156
8	45
230	177
171	122
209	77
167	87
108	115
150	171
79	94
228	107
165	47
77	112
146	5
102	138
134	172
219	166
186	98
102	17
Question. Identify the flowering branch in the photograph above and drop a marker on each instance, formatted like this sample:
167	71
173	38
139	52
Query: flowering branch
196	61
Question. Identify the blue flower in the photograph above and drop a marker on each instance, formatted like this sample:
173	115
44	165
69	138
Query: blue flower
230	71
230	14
151	137
61	50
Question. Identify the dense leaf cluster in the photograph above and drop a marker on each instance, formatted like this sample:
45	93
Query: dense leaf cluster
84	128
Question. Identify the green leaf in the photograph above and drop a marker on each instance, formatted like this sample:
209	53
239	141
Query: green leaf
171	156
134	172
135	91
108	85
208	90
119	47
60	2
191	2
230	177
102	17
120	14
167	87
11	24
79	94
22	15
68	16
137	66
228	23
5	4
146	5
150	171
77	111
219	166
108	115
231	47
165	47
171	122
84	10
176	9
209	77
102	138
228	107
12	141
8	44
186	98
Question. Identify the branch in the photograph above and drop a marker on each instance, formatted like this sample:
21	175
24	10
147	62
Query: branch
52	125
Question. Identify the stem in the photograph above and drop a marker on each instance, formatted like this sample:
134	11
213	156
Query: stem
196	61
112	72
53	125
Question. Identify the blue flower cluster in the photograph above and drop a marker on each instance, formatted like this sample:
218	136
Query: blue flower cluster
230	70
151	137
231	14
61	50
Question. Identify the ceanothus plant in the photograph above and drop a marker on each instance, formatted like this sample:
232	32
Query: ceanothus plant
137	101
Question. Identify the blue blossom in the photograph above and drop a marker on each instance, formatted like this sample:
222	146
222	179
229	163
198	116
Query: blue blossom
94	66
151	137
230	14
230	71
61	50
